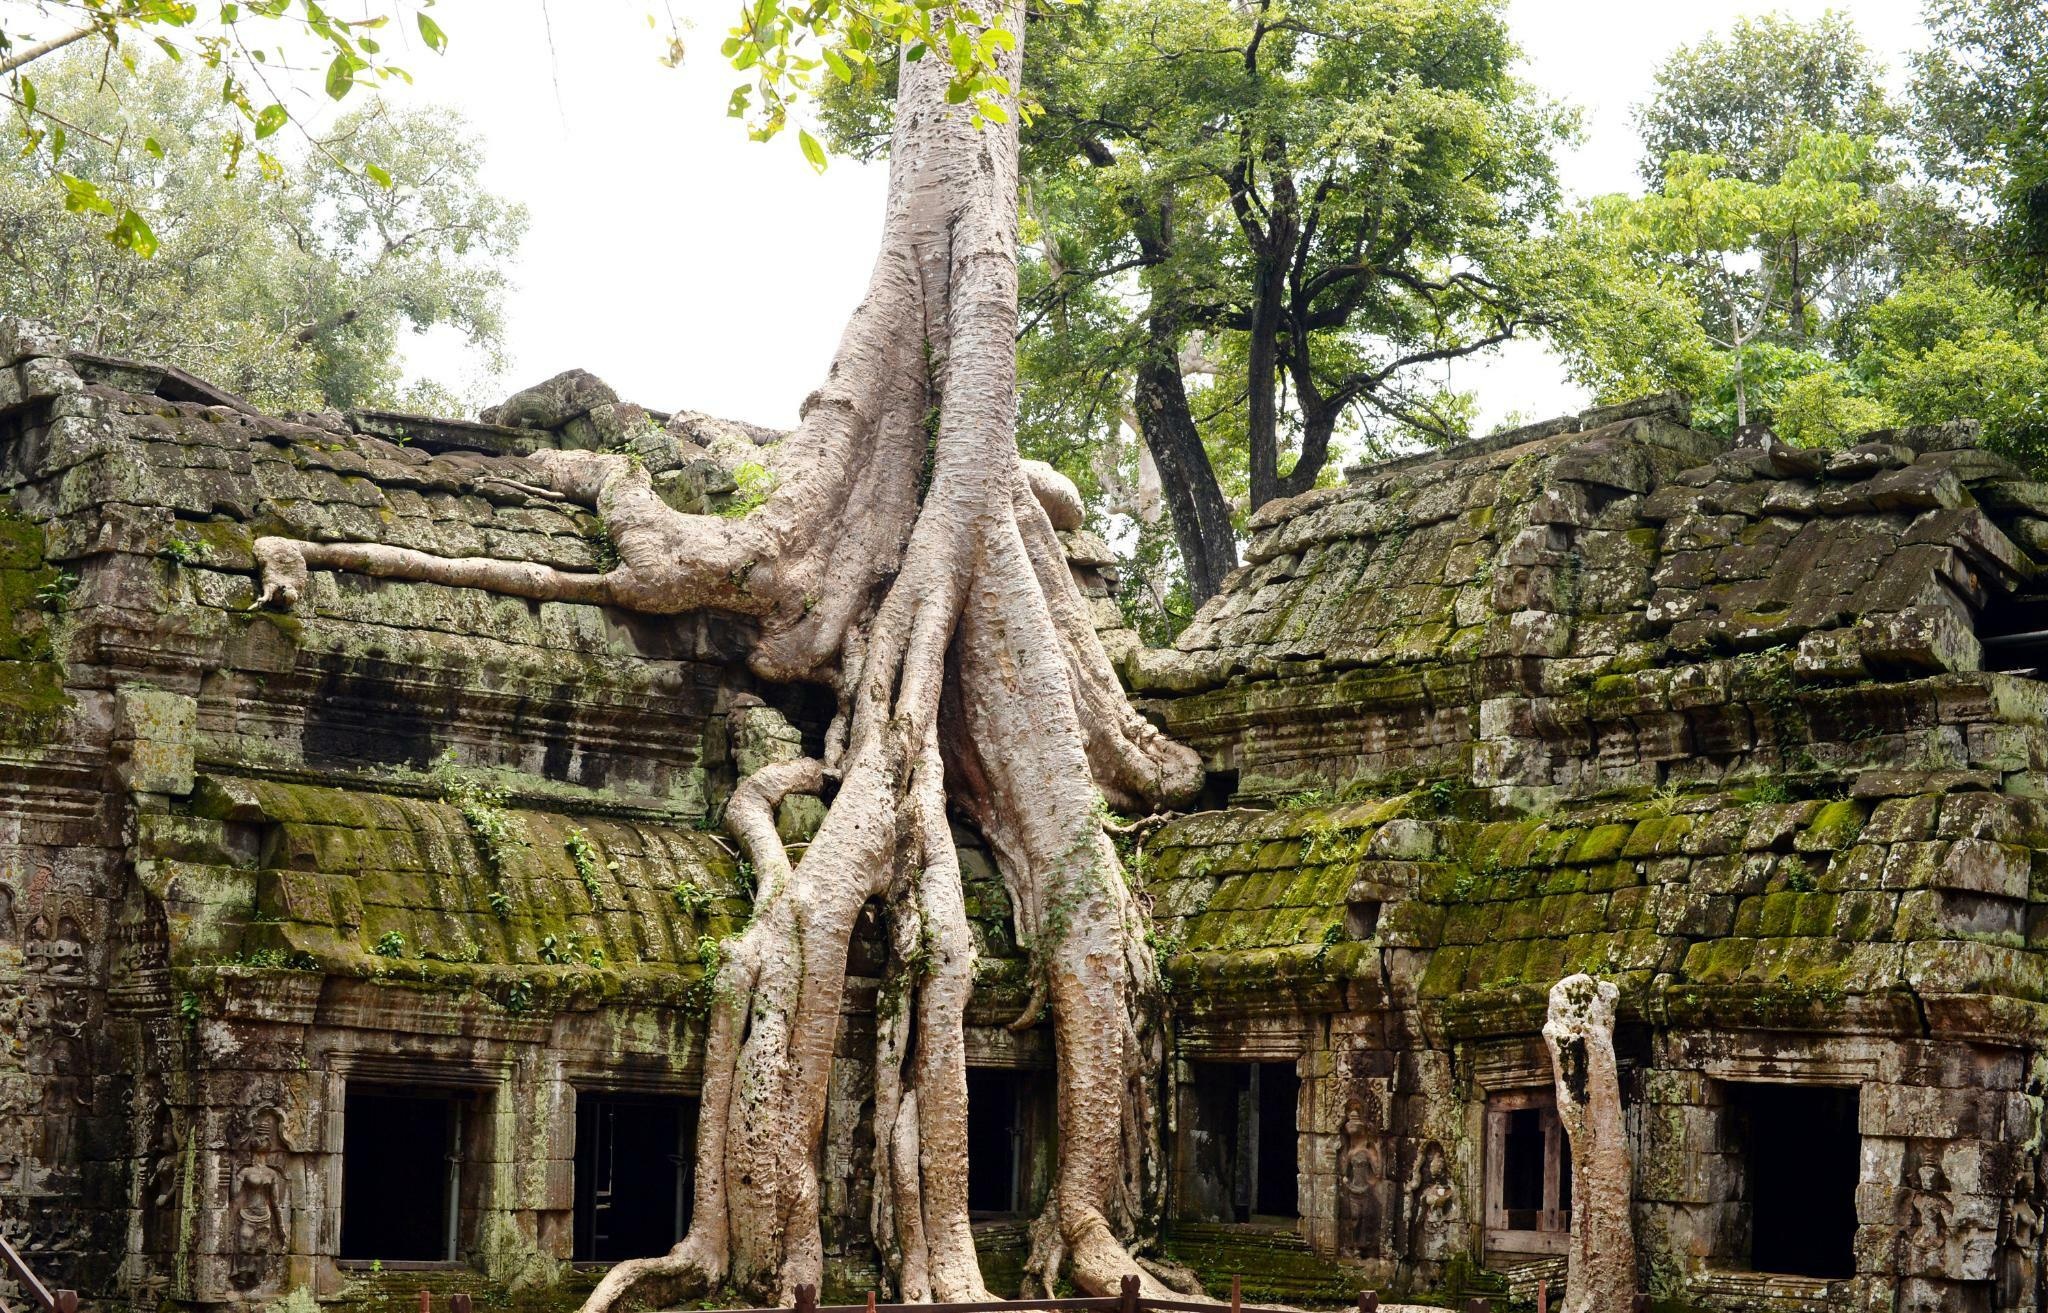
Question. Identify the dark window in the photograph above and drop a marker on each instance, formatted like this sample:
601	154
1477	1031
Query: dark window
399	1171
1528	1174
1238	1151
994	1140
1800	1151
633	1160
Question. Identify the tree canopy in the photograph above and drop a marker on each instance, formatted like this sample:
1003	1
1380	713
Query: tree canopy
1813	255
290	284
1249	228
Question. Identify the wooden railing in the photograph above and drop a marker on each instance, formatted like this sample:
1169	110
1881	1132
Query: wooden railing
1131	1299
41	1296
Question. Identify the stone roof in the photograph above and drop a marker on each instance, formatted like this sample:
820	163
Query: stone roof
1613	695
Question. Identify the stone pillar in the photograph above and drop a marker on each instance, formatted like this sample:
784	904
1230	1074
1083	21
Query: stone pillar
1600	1274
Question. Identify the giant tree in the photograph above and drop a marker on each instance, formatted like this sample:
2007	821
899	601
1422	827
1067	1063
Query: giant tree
1329	198
906	560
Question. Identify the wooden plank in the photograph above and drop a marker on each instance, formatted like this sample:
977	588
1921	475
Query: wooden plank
30	1284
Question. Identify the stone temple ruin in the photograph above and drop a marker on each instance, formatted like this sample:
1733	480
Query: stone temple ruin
366	947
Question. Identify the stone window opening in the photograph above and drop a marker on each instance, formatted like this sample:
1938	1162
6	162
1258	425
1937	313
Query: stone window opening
1798	1151
1239	1157
402	1181
2013	627
1528	1174
634	1157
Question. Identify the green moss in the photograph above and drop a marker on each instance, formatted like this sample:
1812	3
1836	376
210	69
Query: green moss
33	700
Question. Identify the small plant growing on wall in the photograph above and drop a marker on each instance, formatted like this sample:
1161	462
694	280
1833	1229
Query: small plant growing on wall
495	830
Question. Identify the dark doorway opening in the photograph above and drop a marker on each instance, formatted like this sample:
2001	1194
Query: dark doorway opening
399	1170
1275	1090
995	1141
633	1160
1239	1156
1800	1150
1522	1163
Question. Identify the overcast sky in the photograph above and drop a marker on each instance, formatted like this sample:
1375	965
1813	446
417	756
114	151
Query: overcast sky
691	267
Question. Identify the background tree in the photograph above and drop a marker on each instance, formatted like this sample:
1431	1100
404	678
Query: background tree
1749	97
290	284
1812	279
249	49
1730	250
1981	120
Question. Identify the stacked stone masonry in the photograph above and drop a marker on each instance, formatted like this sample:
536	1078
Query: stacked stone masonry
1754	733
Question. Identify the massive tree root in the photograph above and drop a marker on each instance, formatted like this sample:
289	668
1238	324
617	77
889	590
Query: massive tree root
908	560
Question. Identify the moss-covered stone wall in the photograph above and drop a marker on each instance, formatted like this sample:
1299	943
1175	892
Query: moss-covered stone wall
1714	723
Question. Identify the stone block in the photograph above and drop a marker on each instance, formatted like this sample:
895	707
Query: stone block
1985	867
157	728
1920	638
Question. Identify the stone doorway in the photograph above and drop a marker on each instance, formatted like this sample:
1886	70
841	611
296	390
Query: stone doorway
633	1159
400	1175
995	1142
1799	1153
1240	1157
1528	1174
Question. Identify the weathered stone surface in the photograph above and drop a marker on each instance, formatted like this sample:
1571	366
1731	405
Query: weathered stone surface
1599	696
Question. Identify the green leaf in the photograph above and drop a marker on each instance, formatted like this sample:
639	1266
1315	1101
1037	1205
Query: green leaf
812	150
431	33
838	66
28	94
82	196
153	146
378	175
56	142
270	120
134	233
341	75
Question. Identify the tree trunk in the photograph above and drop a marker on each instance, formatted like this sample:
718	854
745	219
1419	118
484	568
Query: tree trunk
1201	518
1600	1266
1262	361
967	674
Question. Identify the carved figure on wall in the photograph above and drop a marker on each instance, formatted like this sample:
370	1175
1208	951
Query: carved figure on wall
2019	1257
163	1187
1926	1218
259	1203
1359	1178
1432	1214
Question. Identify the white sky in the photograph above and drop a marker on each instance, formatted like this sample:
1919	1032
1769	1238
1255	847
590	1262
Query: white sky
690	267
